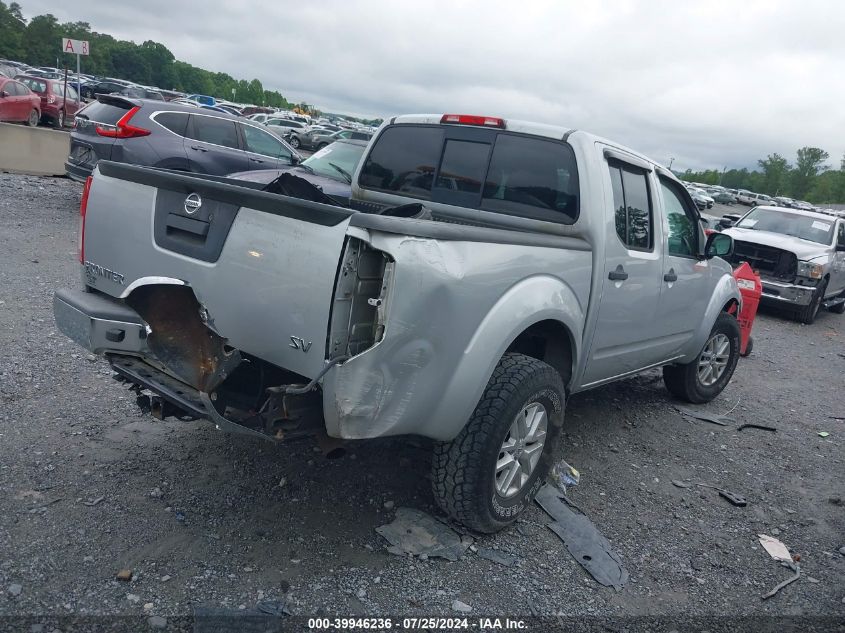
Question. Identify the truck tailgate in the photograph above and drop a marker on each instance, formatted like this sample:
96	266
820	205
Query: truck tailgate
262	266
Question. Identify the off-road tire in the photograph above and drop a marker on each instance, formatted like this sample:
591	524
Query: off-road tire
808	313
683	381
464	469
33	119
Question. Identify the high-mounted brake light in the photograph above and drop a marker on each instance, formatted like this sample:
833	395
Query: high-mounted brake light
473	119
83	207
122	129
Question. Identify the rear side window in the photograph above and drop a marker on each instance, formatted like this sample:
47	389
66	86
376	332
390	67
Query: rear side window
214	131
532	178
176	122
106	113
260	142
633	214
34	84
403	161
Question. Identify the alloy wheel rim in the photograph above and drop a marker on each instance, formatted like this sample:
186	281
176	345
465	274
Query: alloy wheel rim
521	450
714	358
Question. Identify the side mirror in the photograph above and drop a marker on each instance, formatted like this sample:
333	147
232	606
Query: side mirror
3	94
295	160
718	245
840	246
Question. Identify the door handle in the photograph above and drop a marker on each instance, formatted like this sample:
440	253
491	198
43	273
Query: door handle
670	276
198	148
256	160
618	275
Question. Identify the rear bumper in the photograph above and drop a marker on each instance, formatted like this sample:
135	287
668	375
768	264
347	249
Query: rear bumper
780	293
99	323
77	172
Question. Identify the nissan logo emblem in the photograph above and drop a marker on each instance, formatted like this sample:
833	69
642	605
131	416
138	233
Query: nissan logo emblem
192	203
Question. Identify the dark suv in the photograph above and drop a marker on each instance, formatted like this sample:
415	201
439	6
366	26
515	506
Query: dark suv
171	136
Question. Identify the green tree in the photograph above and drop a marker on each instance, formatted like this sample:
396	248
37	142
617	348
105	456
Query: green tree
808	165
775	174
42	40
12	27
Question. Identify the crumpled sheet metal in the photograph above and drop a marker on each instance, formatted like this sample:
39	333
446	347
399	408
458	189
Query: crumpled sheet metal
415	532
583	540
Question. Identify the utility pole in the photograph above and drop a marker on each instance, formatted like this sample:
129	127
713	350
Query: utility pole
671	160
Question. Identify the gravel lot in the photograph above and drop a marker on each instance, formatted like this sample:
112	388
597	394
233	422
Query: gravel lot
90	486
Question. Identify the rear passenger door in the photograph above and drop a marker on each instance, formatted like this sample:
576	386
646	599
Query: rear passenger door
686	282
626	335
213	146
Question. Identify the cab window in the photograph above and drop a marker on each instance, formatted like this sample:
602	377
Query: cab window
632	206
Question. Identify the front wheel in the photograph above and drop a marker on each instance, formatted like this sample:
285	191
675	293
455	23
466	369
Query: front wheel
703	379
32	121
489	474
808	313
294	142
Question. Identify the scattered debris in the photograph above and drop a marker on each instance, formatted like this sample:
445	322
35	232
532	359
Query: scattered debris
841	550
775	548
762	427
836	500
713	418
586	544
133	597
681	484
415	532
461	607
156	493
388	505
273	607
15	589
157	622
165	578
794	567
737	500
564	475
93	502
124	575
823	433
496	556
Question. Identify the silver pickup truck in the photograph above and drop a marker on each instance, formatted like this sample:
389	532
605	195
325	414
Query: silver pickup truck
800	256
486	270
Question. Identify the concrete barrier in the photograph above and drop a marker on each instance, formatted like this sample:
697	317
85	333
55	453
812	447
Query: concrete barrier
33	150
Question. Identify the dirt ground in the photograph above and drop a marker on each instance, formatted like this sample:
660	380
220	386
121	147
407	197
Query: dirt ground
90	486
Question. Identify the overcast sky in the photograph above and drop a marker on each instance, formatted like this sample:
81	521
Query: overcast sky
712	83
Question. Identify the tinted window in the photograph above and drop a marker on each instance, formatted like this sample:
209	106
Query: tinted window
18	89
262	143
34	84
104	112
632	207
176	122
404	160
682	235
533	178
360	136
463	166
215	131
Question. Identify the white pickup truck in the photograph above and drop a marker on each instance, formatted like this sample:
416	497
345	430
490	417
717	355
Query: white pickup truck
542	261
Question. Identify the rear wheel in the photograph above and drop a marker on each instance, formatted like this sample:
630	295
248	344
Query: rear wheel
489	474
32	121
808	313
59	121
703	379
294	142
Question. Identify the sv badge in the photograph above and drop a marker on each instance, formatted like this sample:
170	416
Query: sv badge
299	343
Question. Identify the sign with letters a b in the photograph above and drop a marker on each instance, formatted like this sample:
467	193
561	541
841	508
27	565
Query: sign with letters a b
77	47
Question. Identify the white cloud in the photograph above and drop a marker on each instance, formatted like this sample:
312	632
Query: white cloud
709	83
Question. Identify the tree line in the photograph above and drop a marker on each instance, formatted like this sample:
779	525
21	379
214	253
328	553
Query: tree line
809	178
37	42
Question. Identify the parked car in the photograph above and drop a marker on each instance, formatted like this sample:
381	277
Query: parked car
330	169
309	137
722	197
95	88
804	206
173	136
284	125
708	200
782	201
18	104
699	199
141	92
468	321
799	255
59	103
753	199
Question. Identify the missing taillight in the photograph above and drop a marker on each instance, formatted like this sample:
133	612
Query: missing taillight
83	208
123	128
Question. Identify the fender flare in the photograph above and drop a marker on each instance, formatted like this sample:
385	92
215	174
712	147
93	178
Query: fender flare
533	299
725	291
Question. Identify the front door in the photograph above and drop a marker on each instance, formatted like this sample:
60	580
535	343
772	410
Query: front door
625	332
837	271
686	283
263	150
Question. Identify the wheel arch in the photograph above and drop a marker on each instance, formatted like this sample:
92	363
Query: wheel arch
551	342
